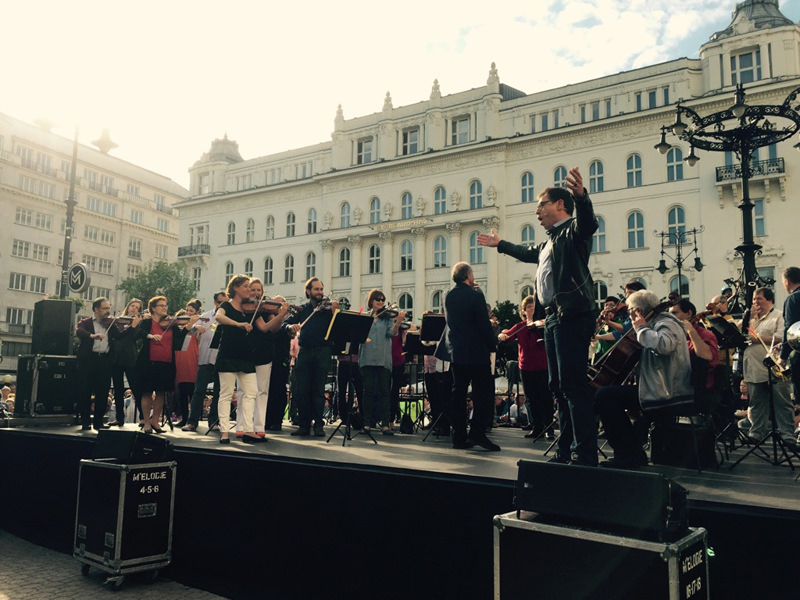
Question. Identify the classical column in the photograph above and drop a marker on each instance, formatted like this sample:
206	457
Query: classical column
355	242
420	299
387	263
454	244
492	263
326	271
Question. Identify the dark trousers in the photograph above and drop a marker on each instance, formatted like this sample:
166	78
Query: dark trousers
376	395
566	342
538	398
398	381
185	393
480	376
612	403
118	376
205	374
96	377
276	400
439	387
311	369
350	385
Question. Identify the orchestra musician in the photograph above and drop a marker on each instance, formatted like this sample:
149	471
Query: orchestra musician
123	361
664	380
766	329
279	377
565	291
791	315
313	359
703	352
532	367
186	361
155	364
94	364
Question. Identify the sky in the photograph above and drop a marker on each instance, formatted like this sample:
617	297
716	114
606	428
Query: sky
168	77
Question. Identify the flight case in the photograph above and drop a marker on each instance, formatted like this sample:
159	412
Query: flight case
123	521
534	558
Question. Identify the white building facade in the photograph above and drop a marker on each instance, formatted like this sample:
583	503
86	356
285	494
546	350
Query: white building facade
396	198
123	219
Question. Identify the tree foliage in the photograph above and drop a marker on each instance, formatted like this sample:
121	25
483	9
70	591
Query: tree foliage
159	278
507	313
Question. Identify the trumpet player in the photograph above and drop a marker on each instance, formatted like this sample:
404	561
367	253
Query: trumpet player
764	334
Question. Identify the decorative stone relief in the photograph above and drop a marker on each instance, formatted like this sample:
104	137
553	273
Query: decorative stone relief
388	209
491	195
328	219
420	206
356	216
455	200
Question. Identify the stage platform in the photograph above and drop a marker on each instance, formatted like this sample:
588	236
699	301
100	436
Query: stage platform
295	517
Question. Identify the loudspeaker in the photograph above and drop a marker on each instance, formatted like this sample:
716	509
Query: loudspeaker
641	505
131	447
53	326
59	387
673	443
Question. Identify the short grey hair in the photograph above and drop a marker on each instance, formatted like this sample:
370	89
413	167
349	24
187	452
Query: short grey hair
644	301
461	271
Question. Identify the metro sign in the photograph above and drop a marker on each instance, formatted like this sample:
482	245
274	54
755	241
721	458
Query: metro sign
78	278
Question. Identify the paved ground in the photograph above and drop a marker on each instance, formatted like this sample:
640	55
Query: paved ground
28	571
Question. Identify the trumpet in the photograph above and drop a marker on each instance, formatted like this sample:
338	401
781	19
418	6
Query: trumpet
773	360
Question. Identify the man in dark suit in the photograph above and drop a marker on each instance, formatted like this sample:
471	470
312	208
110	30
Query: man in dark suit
467	341
94	364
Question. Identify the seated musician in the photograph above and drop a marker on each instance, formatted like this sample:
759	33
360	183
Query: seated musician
664	380
703	351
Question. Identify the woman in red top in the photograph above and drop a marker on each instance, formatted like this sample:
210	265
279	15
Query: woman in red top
532	367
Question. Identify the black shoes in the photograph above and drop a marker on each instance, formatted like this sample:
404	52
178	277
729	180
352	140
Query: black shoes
223	440
116	423
559	460
626	462
249	439
319	432
301	431
485	442
464	445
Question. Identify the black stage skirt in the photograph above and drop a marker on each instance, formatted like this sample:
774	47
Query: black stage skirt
157	376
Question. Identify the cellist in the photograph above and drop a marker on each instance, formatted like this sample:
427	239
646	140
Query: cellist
664	380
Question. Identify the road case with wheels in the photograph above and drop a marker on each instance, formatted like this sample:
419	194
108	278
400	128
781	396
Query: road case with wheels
123	521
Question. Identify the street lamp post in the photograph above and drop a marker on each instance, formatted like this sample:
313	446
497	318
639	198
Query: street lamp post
71	202
740	129
679	237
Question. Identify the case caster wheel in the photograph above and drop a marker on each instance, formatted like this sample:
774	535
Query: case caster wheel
115	583
151	576
84	570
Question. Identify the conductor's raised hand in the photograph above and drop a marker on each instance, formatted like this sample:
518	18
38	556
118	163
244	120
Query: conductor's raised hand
574	183
489	239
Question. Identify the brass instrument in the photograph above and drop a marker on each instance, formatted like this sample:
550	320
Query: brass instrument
773	359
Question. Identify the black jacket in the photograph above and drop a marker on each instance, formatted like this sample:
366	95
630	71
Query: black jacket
468	338
572	244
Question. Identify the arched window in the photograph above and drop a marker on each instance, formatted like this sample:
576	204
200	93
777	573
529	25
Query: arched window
684	288
406	208
374	210
528	234
475	195
231	233
560	176
595	177
290	221
676	218
344	215
344	262
600	293
634	170
312	220
406	256
268	271
288	269
475	249
406	304
674	164
311	265
250	232
374	258
228	273
599	237
526	185
270	228
439	200
527	290
436	302
635	230
248	267
440	252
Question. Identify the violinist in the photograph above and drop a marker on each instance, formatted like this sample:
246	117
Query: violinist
155	365
262	341
186	359
94	364
124	349
766	329
703	350
313	358
612	318
532	367
235	361
664	380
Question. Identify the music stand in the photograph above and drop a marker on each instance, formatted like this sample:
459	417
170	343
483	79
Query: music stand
728	335
413	346
346	328
430	333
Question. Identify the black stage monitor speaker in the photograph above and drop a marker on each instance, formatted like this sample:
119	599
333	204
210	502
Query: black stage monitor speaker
641	505
131	447
53	325
59	386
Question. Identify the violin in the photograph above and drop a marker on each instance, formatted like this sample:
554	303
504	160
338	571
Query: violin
168	321
265	306
387	312
121	322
